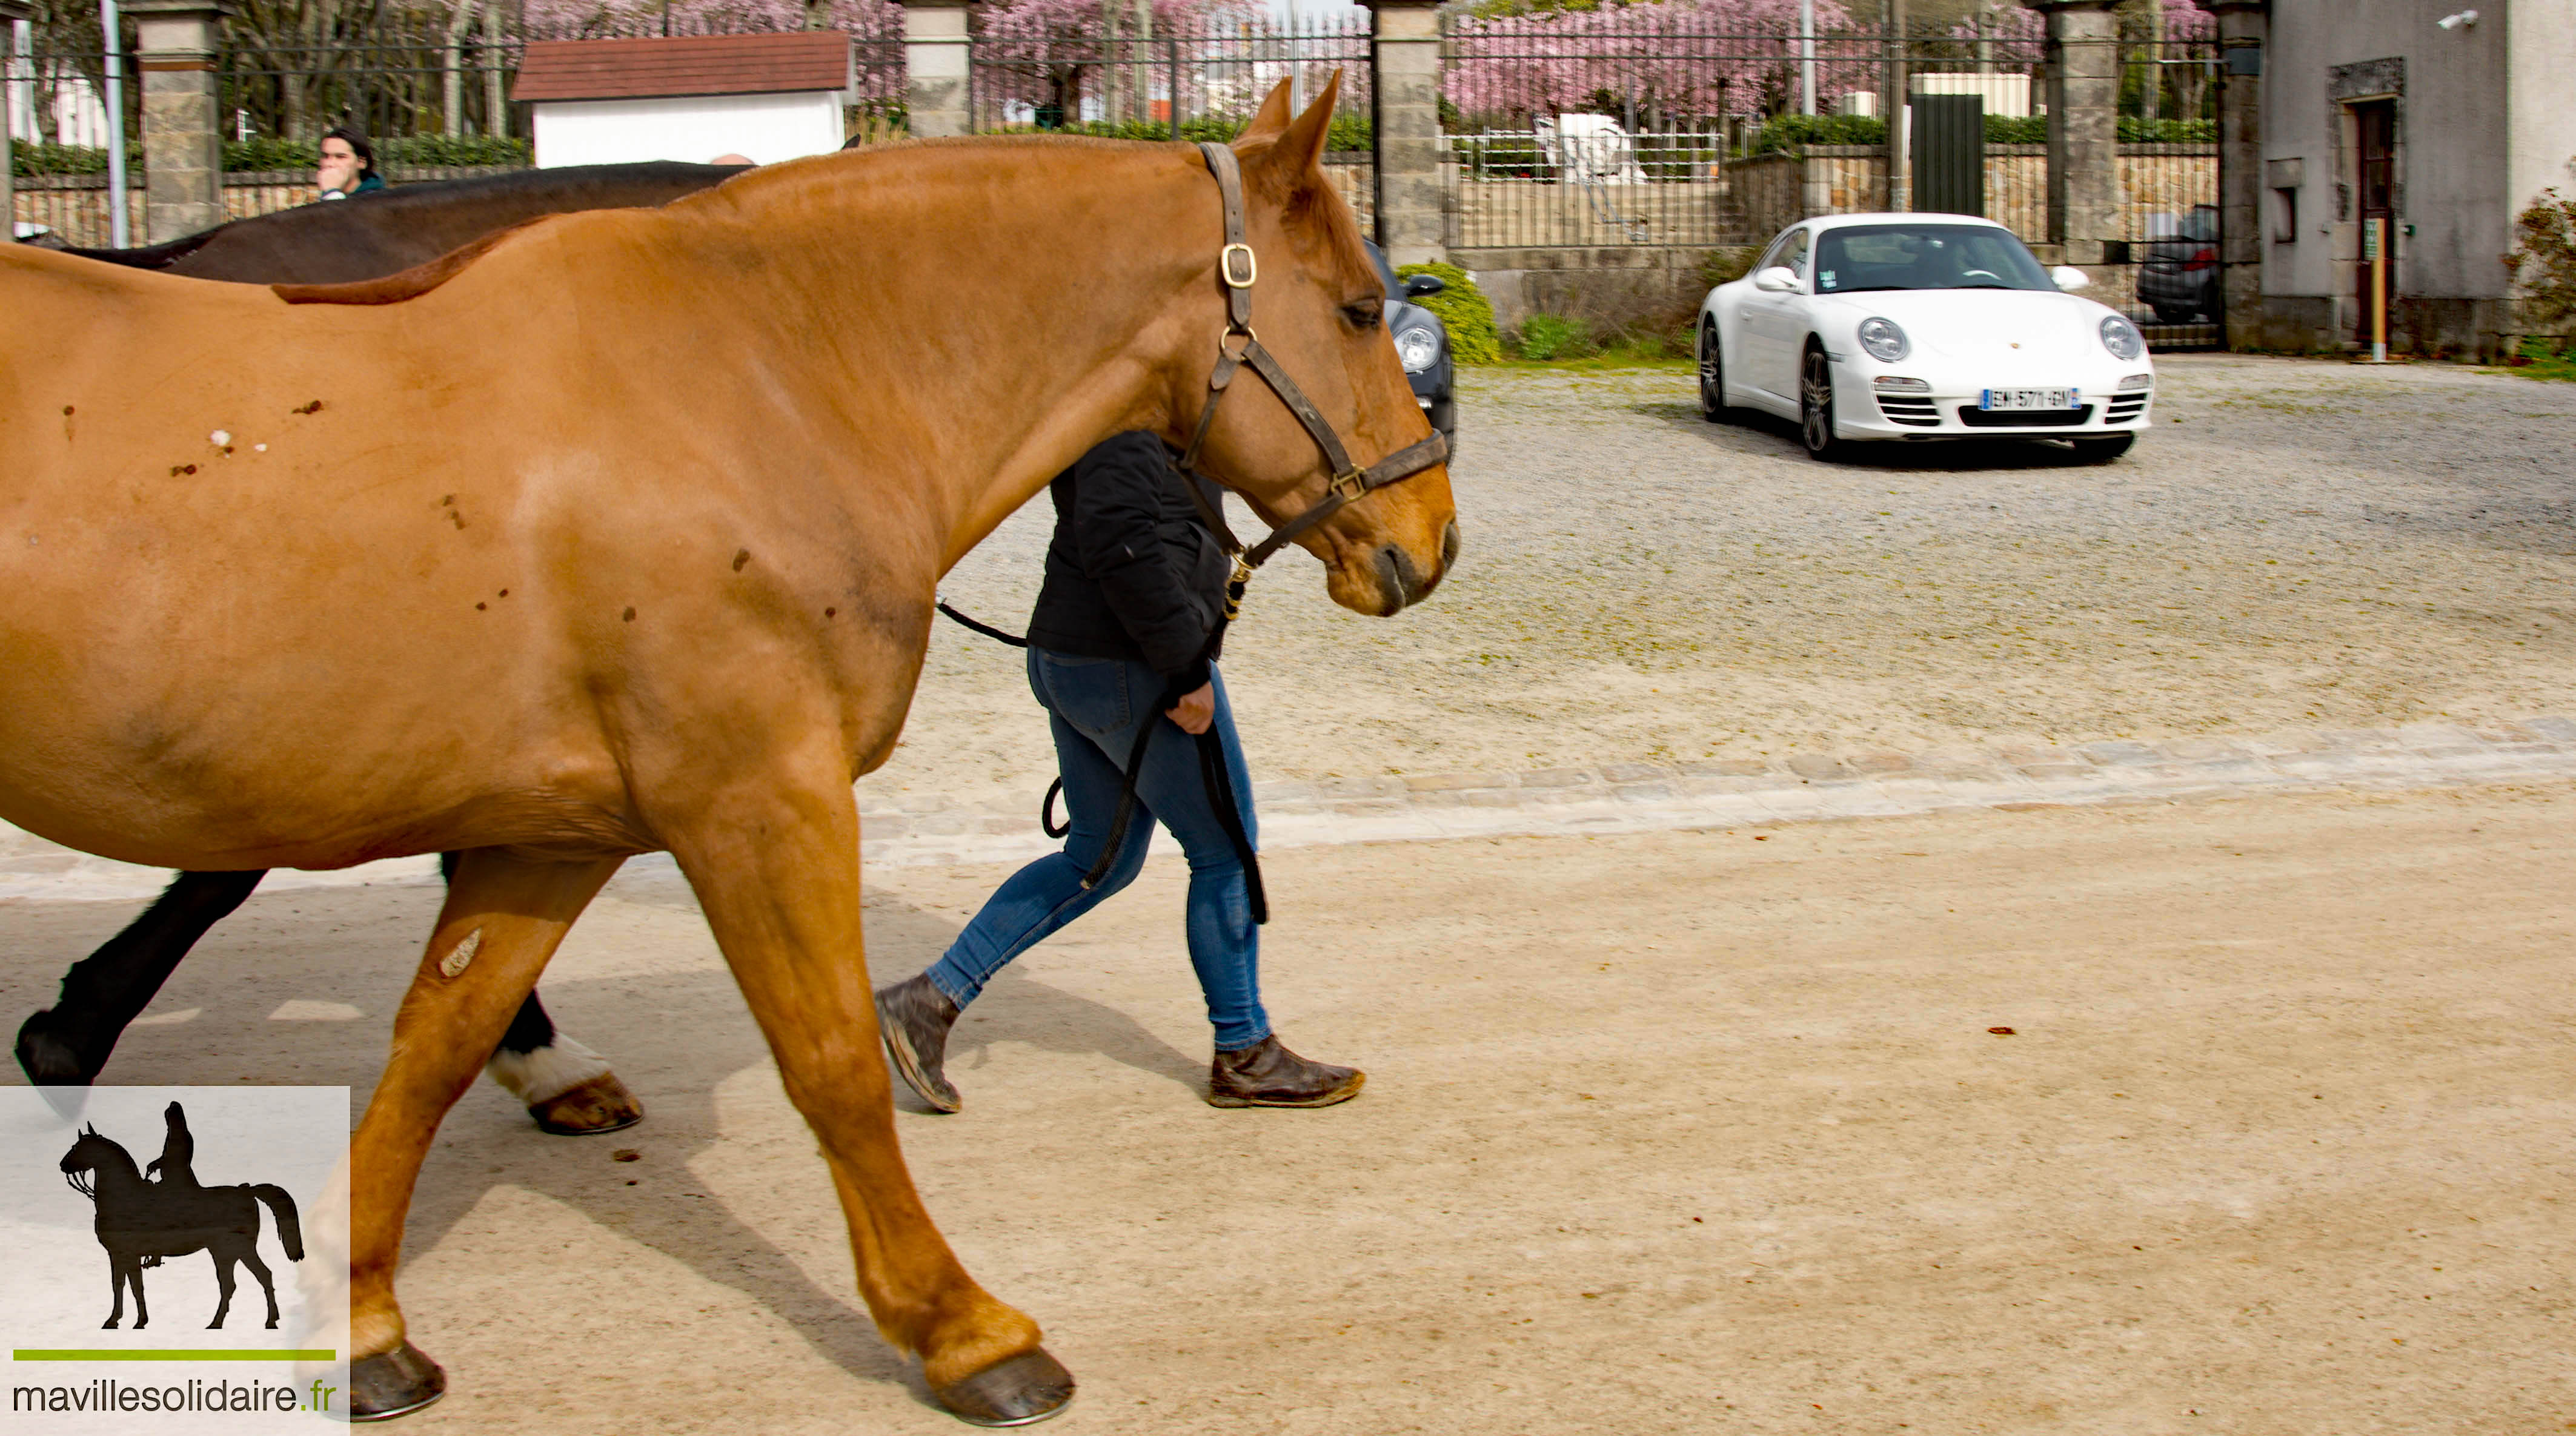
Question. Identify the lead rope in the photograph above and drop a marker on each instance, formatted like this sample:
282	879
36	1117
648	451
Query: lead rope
1213	774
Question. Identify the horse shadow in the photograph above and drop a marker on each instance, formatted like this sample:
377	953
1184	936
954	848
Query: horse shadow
675	1036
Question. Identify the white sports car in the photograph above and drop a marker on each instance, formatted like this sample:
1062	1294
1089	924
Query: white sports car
1921	326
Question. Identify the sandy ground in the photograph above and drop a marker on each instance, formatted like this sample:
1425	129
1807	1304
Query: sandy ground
2299	545
1686	1132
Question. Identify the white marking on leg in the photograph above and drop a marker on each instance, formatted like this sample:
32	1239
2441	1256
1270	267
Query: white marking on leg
454	963
547	1073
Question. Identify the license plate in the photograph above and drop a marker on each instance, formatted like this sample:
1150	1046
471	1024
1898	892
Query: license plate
2027	399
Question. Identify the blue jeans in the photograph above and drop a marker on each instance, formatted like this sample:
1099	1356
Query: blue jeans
1094	706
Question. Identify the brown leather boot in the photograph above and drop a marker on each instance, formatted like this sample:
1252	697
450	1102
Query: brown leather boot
913	1017
1267	1074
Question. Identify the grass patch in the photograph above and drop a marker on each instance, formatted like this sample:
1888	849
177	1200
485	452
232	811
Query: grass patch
2543	359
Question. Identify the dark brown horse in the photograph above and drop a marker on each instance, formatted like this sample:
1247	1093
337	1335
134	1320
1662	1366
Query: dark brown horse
391	231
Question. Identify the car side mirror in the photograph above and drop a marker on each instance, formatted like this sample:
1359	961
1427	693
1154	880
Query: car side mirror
1418	285
1778	279
2068	277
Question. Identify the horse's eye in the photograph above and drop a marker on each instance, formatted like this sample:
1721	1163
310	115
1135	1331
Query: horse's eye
1367	314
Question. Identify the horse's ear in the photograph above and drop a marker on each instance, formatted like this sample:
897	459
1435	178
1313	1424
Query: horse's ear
1268	121
1301	146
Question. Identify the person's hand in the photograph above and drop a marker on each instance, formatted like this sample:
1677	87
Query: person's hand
337	171
1196	710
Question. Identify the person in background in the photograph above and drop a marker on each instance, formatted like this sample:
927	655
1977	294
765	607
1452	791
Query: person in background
348	165
1125	634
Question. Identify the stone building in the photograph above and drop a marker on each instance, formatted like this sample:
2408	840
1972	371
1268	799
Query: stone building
2444	118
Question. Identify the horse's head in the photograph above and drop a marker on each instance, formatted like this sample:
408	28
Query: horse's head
1318	307
88	1155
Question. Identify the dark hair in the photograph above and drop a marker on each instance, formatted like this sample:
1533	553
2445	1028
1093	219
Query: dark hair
358	146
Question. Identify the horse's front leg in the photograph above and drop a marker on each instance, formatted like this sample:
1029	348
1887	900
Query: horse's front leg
503	919
223	1289
774	858
117	1267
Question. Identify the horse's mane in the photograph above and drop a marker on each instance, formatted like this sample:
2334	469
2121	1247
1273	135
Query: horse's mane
113	1145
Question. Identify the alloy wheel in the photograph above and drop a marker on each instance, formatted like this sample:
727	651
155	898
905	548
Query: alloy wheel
1816	405
1712	374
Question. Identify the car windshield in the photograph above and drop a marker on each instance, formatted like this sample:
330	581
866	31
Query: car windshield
1862	257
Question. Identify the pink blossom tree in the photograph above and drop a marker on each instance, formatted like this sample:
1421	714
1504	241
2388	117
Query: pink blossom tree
1665	64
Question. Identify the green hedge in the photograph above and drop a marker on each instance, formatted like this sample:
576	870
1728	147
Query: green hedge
1796	131
1464	309
263	154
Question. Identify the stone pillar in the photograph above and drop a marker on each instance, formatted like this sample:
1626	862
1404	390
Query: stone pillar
935	65
2083	93
183	142
2244	31
1404	55
10	10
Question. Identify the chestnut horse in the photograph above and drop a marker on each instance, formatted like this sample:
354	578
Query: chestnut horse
620	536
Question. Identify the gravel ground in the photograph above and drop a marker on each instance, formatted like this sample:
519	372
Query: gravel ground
2299	544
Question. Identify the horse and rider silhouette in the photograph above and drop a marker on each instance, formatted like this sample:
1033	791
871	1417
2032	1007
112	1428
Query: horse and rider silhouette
142	1220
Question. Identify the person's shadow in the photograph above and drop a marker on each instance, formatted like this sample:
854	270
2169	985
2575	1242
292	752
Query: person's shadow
675	1036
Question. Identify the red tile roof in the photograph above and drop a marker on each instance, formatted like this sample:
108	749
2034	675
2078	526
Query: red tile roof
695	65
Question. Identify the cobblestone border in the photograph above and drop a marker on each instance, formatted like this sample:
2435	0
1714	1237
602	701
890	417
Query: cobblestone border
1804	787
1625	797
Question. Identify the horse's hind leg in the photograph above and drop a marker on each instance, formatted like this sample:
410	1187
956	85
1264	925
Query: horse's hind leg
503	919
68	1044
776	869
267	1287
224	1288
566	1087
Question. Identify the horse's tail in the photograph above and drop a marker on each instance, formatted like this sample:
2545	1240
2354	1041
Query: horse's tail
281	1206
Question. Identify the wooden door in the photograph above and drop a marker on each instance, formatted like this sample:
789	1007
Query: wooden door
2376	123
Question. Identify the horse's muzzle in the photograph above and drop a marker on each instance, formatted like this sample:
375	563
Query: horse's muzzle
1401	582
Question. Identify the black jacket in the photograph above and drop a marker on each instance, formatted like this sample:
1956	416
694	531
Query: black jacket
1132	571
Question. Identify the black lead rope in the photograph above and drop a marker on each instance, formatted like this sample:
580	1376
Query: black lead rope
1212	775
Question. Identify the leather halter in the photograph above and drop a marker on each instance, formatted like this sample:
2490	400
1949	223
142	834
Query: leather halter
1240	348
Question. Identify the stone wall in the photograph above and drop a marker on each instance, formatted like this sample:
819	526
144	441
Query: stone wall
1616	289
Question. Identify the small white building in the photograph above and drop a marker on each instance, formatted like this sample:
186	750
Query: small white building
765	97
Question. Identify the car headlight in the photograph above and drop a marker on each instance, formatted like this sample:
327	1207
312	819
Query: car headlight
2122	338
1884	341
1418	348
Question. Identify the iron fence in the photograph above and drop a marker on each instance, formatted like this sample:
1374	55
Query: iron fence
1201	82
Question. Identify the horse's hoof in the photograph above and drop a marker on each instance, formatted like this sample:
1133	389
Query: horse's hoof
601	1104
394	1383
1029	1387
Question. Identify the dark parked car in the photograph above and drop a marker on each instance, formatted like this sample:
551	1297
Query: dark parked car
2178	278
1422	342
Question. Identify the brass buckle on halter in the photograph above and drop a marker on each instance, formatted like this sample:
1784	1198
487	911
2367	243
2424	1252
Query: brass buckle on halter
1225	264
1348	485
